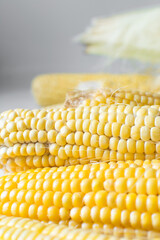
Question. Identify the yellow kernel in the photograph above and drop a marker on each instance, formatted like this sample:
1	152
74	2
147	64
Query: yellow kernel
86	214
125	132
130	201
33	135
75	214
53	214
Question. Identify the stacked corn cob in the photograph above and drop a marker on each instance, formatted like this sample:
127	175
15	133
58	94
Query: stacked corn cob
52	88
94	166
67	136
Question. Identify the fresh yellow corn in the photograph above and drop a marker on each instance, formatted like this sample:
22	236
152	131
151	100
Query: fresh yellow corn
42	138
12	228
127	97
119	194
22	228
110	96
52	88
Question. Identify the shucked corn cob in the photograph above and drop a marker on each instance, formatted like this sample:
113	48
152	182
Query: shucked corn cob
23	228
52	88
110	96
42	138
118	194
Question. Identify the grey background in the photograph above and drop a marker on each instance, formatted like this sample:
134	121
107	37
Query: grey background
36	36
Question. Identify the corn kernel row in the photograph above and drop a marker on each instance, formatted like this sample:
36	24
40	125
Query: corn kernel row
95	193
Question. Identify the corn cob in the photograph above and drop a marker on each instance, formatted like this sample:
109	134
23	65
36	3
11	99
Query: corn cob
118	194
82	135
16	227
11	227
110	96
52	88
22	228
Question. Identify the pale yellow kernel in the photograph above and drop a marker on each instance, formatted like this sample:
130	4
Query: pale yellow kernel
20	137
113	143
103	142
39	149
33	135
68	150
91	153
149	147
86	125
59	162
34	122
139	146
42	136
135	132
100	128
11	127
26	136
94	140
99	153
139	121
157	121
86	138
71	125
58	125
155	134
103	117
49	125
93	126
116	129
70	139
82	152
125	131
145	133
21	125
108	129
60	140
13	137
149	121
23	150
62	153
122	146
41	124
129	120
79	138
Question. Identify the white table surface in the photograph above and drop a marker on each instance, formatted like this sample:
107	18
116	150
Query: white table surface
16	98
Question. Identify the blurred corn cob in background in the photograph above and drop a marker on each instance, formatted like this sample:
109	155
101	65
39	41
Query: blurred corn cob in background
109	96
68	136
23	228
131	35
52	88
122	194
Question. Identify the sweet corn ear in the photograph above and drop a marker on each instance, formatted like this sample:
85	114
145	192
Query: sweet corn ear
118	194
69	136
52	88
